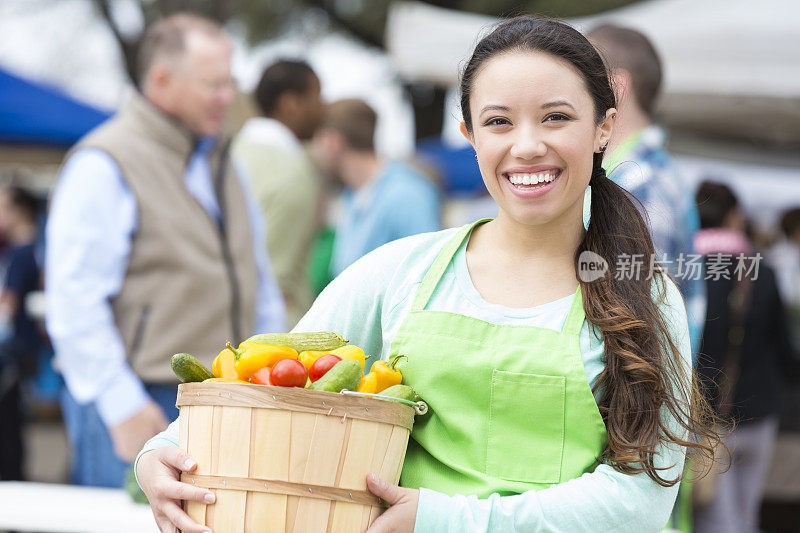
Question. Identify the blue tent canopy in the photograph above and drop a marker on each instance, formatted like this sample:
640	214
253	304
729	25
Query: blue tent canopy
33	113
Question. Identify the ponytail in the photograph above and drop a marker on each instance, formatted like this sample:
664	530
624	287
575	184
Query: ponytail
640	356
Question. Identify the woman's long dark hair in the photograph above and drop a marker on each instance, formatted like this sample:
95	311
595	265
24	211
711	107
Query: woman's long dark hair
644	378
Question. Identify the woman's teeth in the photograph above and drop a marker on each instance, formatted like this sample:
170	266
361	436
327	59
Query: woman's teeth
540	178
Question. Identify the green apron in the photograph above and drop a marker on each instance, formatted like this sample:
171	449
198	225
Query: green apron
510	407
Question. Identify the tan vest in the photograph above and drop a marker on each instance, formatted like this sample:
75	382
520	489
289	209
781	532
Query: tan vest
190	285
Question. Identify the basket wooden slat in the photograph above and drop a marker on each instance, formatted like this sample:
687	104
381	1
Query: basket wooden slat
197	426
320	469
290	441
233	459
358	458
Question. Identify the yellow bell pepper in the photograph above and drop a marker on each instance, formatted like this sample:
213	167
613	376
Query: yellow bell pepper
309	357
387	374
223	365
252	356
351	351
368	383
224	380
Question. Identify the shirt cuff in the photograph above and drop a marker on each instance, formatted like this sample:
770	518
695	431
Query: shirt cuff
152	444
122	398
433	511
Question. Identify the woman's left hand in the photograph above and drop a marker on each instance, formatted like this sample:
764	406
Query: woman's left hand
401	516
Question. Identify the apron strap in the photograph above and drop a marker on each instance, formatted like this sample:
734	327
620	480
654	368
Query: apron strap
438	267
576	315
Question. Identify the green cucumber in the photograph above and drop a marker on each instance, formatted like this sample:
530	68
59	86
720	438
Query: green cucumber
346	374
189	369
403	392
302	342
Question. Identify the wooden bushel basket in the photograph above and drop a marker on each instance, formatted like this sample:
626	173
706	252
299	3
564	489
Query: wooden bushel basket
287	459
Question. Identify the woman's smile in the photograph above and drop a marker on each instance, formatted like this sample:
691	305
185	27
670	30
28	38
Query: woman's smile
531	182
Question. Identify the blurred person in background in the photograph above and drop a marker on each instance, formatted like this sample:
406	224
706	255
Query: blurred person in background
744	354
638	161
284	178
155	245
784	257
383	200
20	340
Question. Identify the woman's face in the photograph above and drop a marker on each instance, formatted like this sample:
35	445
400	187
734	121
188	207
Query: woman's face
534	132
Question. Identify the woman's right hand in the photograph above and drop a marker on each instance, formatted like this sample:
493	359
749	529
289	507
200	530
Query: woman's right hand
158	472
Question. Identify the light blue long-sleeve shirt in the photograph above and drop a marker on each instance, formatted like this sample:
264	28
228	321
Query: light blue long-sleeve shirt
92	220
398	203
369	302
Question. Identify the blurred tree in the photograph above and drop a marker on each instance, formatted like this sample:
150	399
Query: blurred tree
363	19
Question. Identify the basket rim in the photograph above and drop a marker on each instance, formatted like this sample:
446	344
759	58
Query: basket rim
295	399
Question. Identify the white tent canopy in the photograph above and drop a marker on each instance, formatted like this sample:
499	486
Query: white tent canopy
730	66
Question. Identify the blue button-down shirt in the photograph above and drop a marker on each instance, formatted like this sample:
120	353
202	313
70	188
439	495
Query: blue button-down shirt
92	220
644	168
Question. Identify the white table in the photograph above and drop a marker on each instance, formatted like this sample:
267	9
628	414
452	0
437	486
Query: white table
50	508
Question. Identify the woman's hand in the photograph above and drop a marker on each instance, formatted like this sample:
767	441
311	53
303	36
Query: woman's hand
401	516
158	472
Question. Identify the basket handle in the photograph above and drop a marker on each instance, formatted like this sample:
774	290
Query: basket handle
420	407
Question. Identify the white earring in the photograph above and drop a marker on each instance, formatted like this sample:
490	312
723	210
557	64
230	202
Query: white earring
587	207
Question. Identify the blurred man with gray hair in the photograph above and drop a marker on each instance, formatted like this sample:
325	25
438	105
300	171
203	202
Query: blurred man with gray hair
154	246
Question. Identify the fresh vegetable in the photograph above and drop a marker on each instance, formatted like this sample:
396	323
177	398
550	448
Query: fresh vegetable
301	342
322	365
288	373
224	380
309	357
189	369
404	392
224	364
261	376
351	351
368	383
345	374
387	374
251	356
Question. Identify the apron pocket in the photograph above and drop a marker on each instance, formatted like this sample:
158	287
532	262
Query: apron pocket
526	427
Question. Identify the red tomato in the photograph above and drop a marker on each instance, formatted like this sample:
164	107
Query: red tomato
261	376
322	365
288	373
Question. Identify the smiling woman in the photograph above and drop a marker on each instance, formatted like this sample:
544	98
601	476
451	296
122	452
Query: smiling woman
557	403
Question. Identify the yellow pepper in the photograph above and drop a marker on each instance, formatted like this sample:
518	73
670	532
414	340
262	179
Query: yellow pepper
223	367
224	380
252	356
387	374
368	383
350	351
308	358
